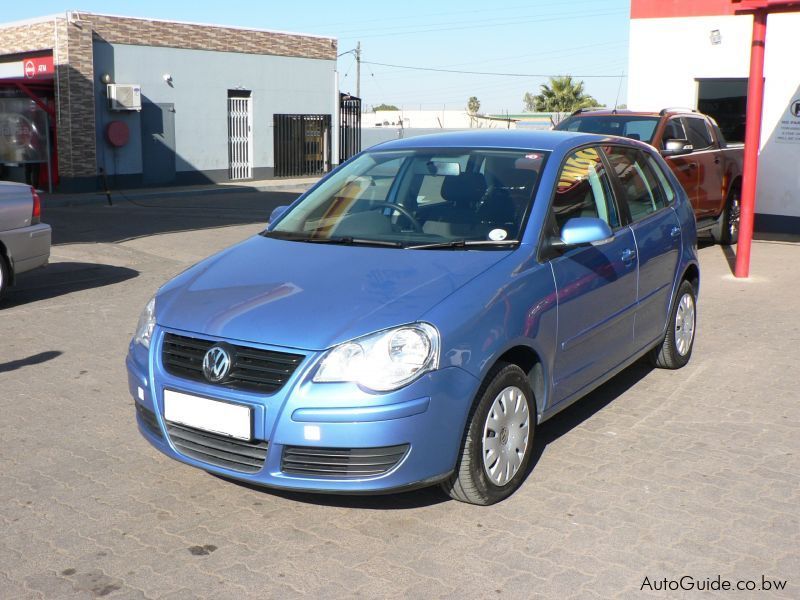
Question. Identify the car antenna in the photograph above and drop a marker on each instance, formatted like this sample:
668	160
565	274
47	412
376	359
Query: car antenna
619	89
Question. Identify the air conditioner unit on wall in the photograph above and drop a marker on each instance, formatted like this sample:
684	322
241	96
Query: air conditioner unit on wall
124	96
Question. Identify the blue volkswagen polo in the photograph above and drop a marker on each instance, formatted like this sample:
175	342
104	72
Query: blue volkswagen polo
415	316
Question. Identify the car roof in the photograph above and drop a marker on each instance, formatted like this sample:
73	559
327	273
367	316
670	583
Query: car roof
507	139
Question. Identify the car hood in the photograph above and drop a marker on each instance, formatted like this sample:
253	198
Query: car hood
312	296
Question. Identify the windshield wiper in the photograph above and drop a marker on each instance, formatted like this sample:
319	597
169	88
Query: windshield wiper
463	244
347	240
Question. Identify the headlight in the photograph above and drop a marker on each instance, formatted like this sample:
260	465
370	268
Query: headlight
147	322
383	361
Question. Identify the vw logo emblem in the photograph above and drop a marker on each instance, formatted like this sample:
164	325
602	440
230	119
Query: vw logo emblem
216	364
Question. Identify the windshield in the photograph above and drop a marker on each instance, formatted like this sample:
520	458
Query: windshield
418	198
635	128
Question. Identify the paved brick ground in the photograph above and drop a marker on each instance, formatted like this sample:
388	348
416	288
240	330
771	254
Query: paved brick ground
657	474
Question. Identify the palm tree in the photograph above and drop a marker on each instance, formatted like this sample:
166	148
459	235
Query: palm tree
561	96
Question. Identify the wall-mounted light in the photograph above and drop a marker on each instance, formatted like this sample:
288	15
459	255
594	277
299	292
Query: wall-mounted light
106	78
716	37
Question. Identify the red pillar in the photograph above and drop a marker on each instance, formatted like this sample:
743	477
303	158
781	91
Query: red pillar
752	142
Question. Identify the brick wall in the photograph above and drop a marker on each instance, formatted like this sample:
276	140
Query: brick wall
121	30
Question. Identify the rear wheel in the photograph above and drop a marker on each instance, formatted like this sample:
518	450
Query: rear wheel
498	441
676	348
726	230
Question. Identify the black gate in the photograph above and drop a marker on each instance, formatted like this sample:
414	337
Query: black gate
302	145
349	126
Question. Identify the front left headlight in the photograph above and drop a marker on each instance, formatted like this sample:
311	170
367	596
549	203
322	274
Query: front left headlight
383	361
146	325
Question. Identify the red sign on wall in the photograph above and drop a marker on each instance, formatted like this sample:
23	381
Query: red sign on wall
28	69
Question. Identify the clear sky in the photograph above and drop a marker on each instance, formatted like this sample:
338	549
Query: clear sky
538	37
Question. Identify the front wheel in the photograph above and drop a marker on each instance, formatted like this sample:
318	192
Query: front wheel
726	230
676	348
498	440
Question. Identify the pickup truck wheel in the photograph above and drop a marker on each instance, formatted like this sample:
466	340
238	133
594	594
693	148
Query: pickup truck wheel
498	441
726	230
675	350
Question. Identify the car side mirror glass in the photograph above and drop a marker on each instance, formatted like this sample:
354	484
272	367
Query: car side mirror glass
584	230
276	213
675	147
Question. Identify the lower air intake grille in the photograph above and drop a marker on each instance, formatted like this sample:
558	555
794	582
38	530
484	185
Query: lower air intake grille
149	420
219	450
341	463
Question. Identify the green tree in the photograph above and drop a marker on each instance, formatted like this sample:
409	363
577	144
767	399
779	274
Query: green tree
384	107
473	105
561	95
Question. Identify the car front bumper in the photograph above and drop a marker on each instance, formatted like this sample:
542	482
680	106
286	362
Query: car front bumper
305	432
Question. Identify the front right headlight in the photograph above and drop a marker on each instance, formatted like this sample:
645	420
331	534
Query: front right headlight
383	361
146	325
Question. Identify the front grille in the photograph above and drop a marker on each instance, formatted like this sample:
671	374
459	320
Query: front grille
219	450
252	369
148	418
342	463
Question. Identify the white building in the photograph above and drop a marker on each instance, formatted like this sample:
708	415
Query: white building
696	53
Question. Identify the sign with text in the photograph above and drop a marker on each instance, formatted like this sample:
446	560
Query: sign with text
29	69
788	129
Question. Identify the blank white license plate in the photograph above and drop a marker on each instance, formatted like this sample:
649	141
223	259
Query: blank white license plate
210	415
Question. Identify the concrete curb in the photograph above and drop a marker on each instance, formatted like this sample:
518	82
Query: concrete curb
119	196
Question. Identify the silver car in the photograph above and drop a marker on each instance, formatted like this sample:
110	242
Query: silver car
24	239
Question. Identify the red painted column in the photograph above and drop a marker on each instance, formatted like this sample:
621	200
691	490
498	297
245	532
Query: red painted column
752	142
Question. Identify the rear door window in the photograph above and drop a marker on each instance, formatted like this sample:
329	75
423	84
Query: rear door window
640	186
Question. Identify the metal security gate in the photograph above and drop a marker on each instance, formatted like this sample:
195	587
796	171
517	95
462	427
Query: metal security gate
302	145
240	135
349	126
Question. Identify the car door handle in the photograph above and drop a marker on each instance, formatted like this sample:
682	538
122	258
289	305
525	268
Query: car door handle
692	165
675	232
628	255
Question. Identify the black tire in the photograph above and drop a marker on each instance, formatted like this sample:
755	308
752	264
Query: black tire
726	230
672	353
470	481
5	275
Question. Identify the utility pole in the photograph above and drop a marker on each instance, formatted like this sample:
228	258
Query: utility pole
358	69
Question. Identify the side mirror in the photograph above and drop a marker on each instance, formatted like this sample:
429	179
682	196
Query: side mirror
676	147
584	230
276	213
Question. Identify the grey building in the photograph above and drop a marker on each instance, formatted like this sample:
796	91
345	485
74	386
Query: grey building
148	102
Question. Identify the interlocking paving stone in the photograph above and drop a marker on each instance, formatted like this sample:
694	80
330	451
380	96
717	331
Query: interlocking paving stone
657	473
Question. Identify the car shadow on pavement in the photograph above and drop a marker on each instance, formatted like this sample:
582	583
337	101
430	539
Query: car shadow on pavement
586	407
63	278
35	359
546	433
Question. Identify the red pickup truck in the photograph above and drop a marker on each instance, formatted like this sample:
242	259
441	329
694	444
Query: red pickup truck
709	169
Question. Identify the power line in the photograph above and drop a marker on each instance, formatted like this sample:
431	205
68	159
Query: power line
485	25
460	72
